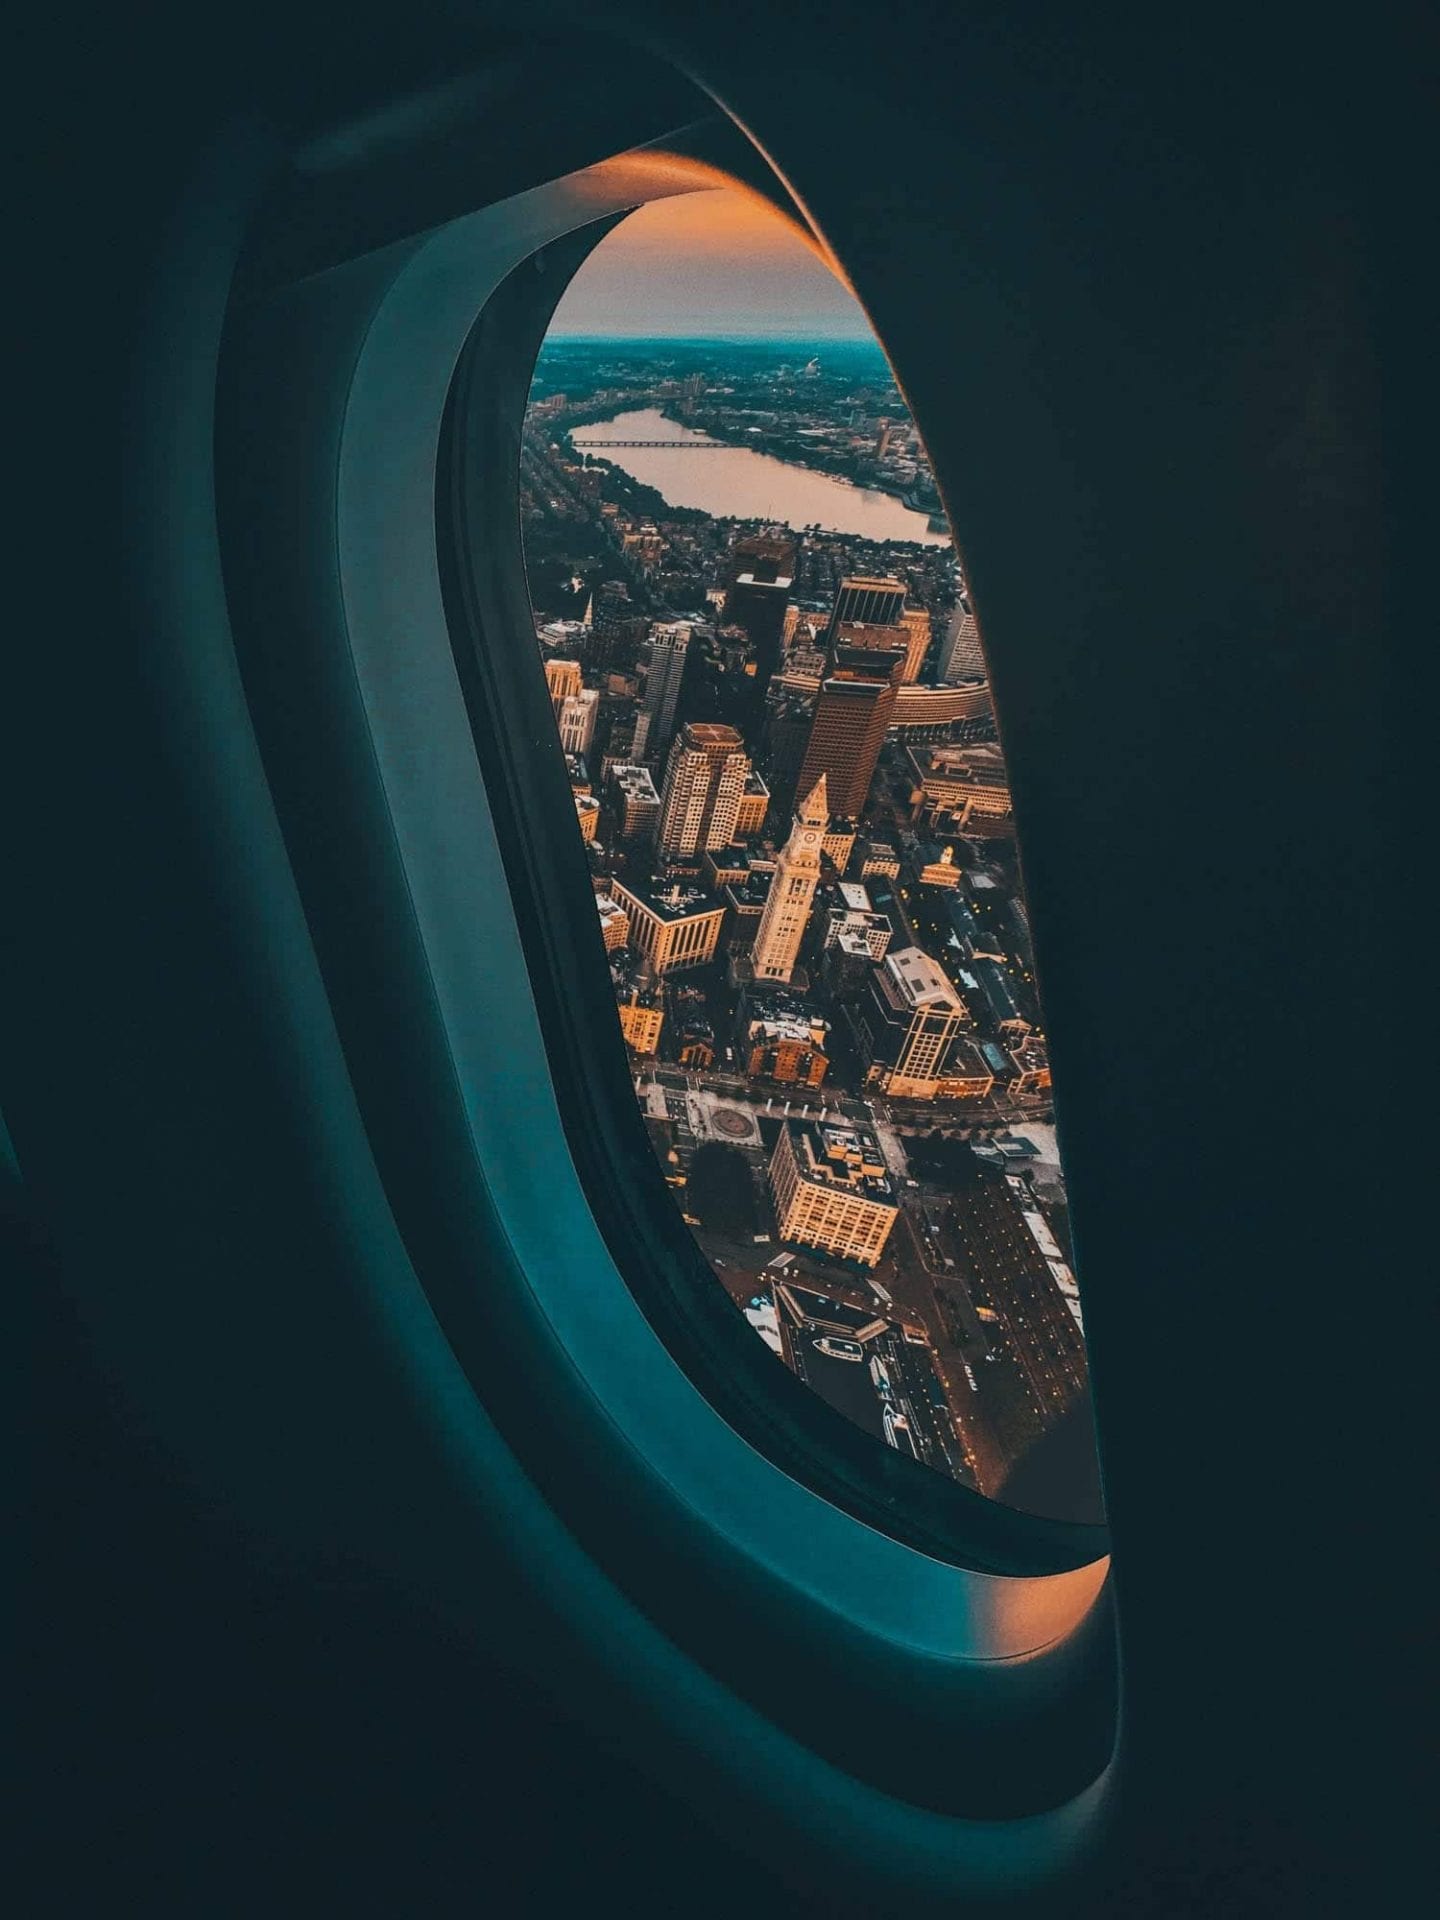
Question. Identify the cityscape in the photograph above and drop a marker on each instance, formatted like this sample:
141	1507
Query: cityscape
768	682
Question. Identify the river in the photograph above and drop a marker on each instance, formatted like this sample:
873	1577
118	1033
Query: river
736	483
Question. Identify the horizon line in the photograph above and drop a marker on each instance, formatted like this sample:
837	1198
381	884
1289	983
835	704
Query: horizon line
704	339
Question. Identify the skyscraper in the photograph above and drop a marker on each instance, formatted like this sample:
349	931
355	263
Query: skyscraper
669	644
613	623
633	802
762	570
784	735
787	906
851	715
963	658
704	783
916	623
877	639
909	1023
875	599
575	716
832	1190
563	679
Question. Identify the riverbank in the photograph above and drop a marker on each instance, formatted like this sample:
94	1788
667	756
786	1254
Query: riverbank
735	481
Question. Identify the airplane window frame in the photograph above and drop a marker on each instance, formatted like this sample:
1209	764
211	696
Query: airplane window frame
372	754
508	702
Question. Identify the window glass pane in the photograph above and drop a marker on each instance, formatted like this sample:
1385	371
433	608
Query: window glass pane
767	677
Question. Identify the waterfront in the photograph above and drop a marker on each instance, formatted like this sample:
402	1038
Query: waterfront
735	483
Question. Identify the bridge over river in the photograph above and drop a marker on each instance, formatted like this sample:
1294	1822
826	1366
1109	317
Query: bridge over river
746	484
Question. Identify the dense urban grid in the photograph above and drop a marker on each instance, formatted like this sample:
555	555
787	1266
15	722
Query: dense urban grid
784	764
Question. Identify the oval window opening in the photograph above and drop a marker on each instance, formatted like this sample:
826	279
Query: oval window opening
767	678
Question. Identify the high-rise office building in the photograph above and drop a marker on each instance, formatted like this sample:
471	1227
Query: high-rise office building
768	554
754	805
875	599
792	889
832	1189
870	633
563	678
851	715
762	571
704	783
910	1023
720	678
634	804
963	657
615	627
900	636
916	622
912	1033
784	735
575	715
655	726
671	928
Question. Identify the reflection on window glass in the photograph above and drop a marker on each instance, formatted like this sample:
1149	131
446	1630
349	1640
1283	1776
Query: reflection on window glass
768	682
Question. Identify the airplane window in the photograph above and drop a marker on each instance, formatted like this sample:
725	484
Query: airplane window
766	673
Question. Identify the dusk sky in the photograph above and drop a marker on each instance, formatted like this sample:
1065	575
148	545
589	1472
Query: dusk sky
707	263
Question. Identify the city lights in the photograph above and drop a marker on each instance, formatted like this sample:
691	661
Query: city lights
767	673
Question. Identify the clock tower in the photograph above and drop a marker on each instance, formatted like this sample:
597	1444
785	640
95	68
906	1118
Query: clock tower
787	905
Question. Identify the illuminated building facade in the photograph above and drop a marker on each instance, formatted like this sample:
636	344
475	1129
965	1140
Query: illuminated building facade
832	1191
705	779
674	929
787	907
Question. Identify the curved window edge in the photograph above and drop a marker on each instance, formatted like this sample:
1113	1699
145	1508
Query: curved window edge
934	1629
488	605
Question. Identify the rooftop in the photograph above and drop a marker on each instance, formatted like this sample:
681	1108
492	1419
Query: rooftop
969	1059
811	1032
852	941
750	893
781	1003
713	737
862	580
633	981
637	783
981	765
996	985
841	1156
913	979
848	920
670	903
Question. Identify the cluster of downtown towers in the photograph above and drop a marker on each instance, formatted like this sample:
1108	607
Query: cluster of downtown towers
817	696
801	846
